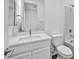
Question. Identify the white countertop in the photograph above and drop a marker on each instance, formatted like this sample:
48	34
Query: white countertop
27	39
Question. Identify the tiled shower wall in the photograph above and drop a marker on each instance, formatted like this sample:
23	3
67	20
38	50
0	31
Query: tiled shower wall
69	23
69	19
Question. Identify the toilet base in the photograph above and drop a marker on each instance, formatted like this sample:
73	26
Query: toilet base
59	57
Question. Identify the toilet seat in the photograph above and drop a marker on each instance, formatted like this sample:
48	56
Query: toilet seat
64	51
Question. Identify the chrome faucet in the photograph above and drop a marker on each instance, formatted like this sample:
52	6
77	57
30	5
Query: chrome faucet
30	32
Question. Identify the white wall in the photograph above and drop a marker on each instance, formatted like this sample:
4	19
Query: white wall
54	16
6	23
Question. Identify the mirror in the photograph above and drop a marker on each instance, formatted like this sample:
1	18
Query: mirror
25	16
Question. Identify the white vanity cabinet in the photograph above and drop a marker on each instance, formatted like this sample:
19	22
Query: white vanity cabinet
31	50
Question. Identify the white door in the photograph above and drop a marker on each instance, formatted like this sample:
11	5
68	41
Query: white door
23	56
43	53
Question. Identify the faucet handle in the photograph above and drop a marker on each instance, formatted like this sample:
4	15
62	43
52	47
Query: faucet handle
30	32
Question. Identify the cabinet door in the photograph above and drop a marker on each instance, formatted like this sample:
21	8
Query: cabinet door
43	53
23	56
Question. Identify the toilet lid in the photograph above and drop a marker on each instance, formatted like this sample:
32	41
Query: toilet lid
64	50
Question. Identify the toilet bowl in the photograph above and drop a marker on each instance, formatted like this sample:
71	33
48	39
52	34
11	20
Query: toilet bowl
63	51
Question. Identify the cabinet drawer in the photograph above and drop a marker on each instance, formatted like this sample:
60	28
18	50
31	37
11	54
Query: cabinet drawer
40	44
21	56
21	49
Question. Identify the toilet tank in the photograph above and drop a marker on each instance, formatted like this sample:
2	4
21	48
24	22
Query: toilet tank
57	39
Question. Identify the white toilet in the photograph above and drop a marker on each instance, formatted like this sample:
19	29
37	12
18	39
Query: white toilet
63	51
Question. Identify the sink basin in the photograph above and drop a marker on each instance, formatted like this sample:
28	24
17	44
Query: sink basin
26	39
31	37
